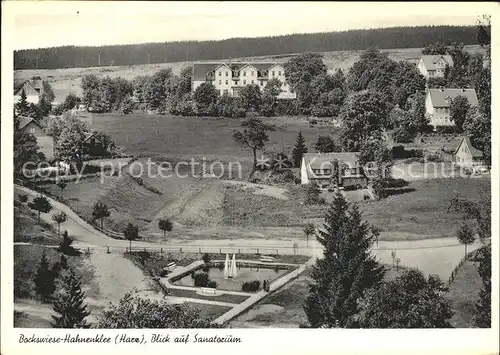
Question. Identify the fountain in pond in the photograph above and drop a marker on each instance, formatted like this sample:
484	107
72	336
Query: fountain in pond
230	270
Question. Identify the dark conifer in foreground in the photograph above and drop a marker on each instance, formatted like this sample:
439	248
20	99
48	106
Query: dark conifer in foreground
44	280
299	150
346	271
69	305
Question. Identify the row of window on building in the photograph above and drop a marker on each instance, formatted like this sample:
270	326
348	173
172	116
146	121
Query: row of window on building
273	73
261	82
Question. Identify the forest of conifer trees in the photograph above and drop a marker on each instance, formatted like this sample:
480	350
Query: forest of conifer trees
150	53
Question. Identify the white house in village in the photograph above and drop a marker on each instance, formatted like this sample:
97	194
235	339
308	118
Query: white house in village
44	141
466	155
433	66
231	77
33	89
318	168
438	102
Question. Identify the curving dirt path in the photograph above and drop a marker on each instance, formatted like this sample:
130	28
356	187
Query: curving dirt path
432	256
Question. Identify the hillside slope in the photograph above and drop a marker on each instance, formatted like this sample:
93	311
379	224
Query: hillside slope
384	38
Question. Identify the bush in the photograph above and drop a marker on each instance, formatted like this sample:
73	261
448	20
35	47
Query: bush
435	157
399	152
251	286
446	129
201	280
206	268
403	135
23	198
206	258
212	284
287	108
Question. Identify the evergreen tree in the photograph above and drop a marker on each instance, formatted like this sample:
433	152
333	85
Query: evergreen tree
346	271
60	265
100	211
299	150
69	305
22	107
44	280
25	148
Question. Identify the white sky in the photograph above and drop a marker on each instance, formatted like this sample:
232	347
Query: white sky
46	24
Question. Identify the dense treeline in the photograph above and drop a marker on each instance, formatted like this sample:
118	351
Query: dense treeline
398	37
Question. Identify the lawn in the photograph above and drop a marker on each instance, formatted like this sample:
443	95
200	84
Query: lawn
166	135
422	212
464	294
209	311
27	229
192	294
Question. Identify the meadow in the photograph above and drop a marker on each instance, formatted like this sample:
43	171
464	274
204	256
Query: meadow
166	135
64	81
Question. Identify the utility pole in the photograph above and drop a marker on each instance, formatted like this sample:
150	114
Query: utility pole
36	58
98	60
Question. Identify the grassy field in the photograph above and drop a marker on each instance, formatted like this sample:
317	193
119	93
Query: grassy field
222	298
27	229
169	136
64	81
422	212
464	293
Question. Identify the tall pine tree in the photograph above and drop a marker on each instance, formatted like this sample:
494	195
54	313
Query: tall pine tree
347	268
69	305
44	280
22	107
299	150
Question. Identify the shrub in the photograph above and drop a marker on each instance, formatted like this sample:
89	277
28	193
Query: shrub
435	157
446	129
65	245
206	268
23	198
399	152
403	135
212	284
251	286
206	258
201	280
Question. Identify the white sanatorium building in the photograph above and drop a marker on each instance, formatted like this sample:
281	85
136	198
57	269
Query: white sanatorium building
232	76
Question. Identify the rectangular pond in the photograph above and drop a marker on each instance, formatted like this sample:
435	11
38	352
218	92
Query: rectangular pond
244	274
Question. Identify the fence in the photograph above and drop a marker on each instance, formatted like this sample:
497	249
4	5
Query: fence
468	256
200	249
